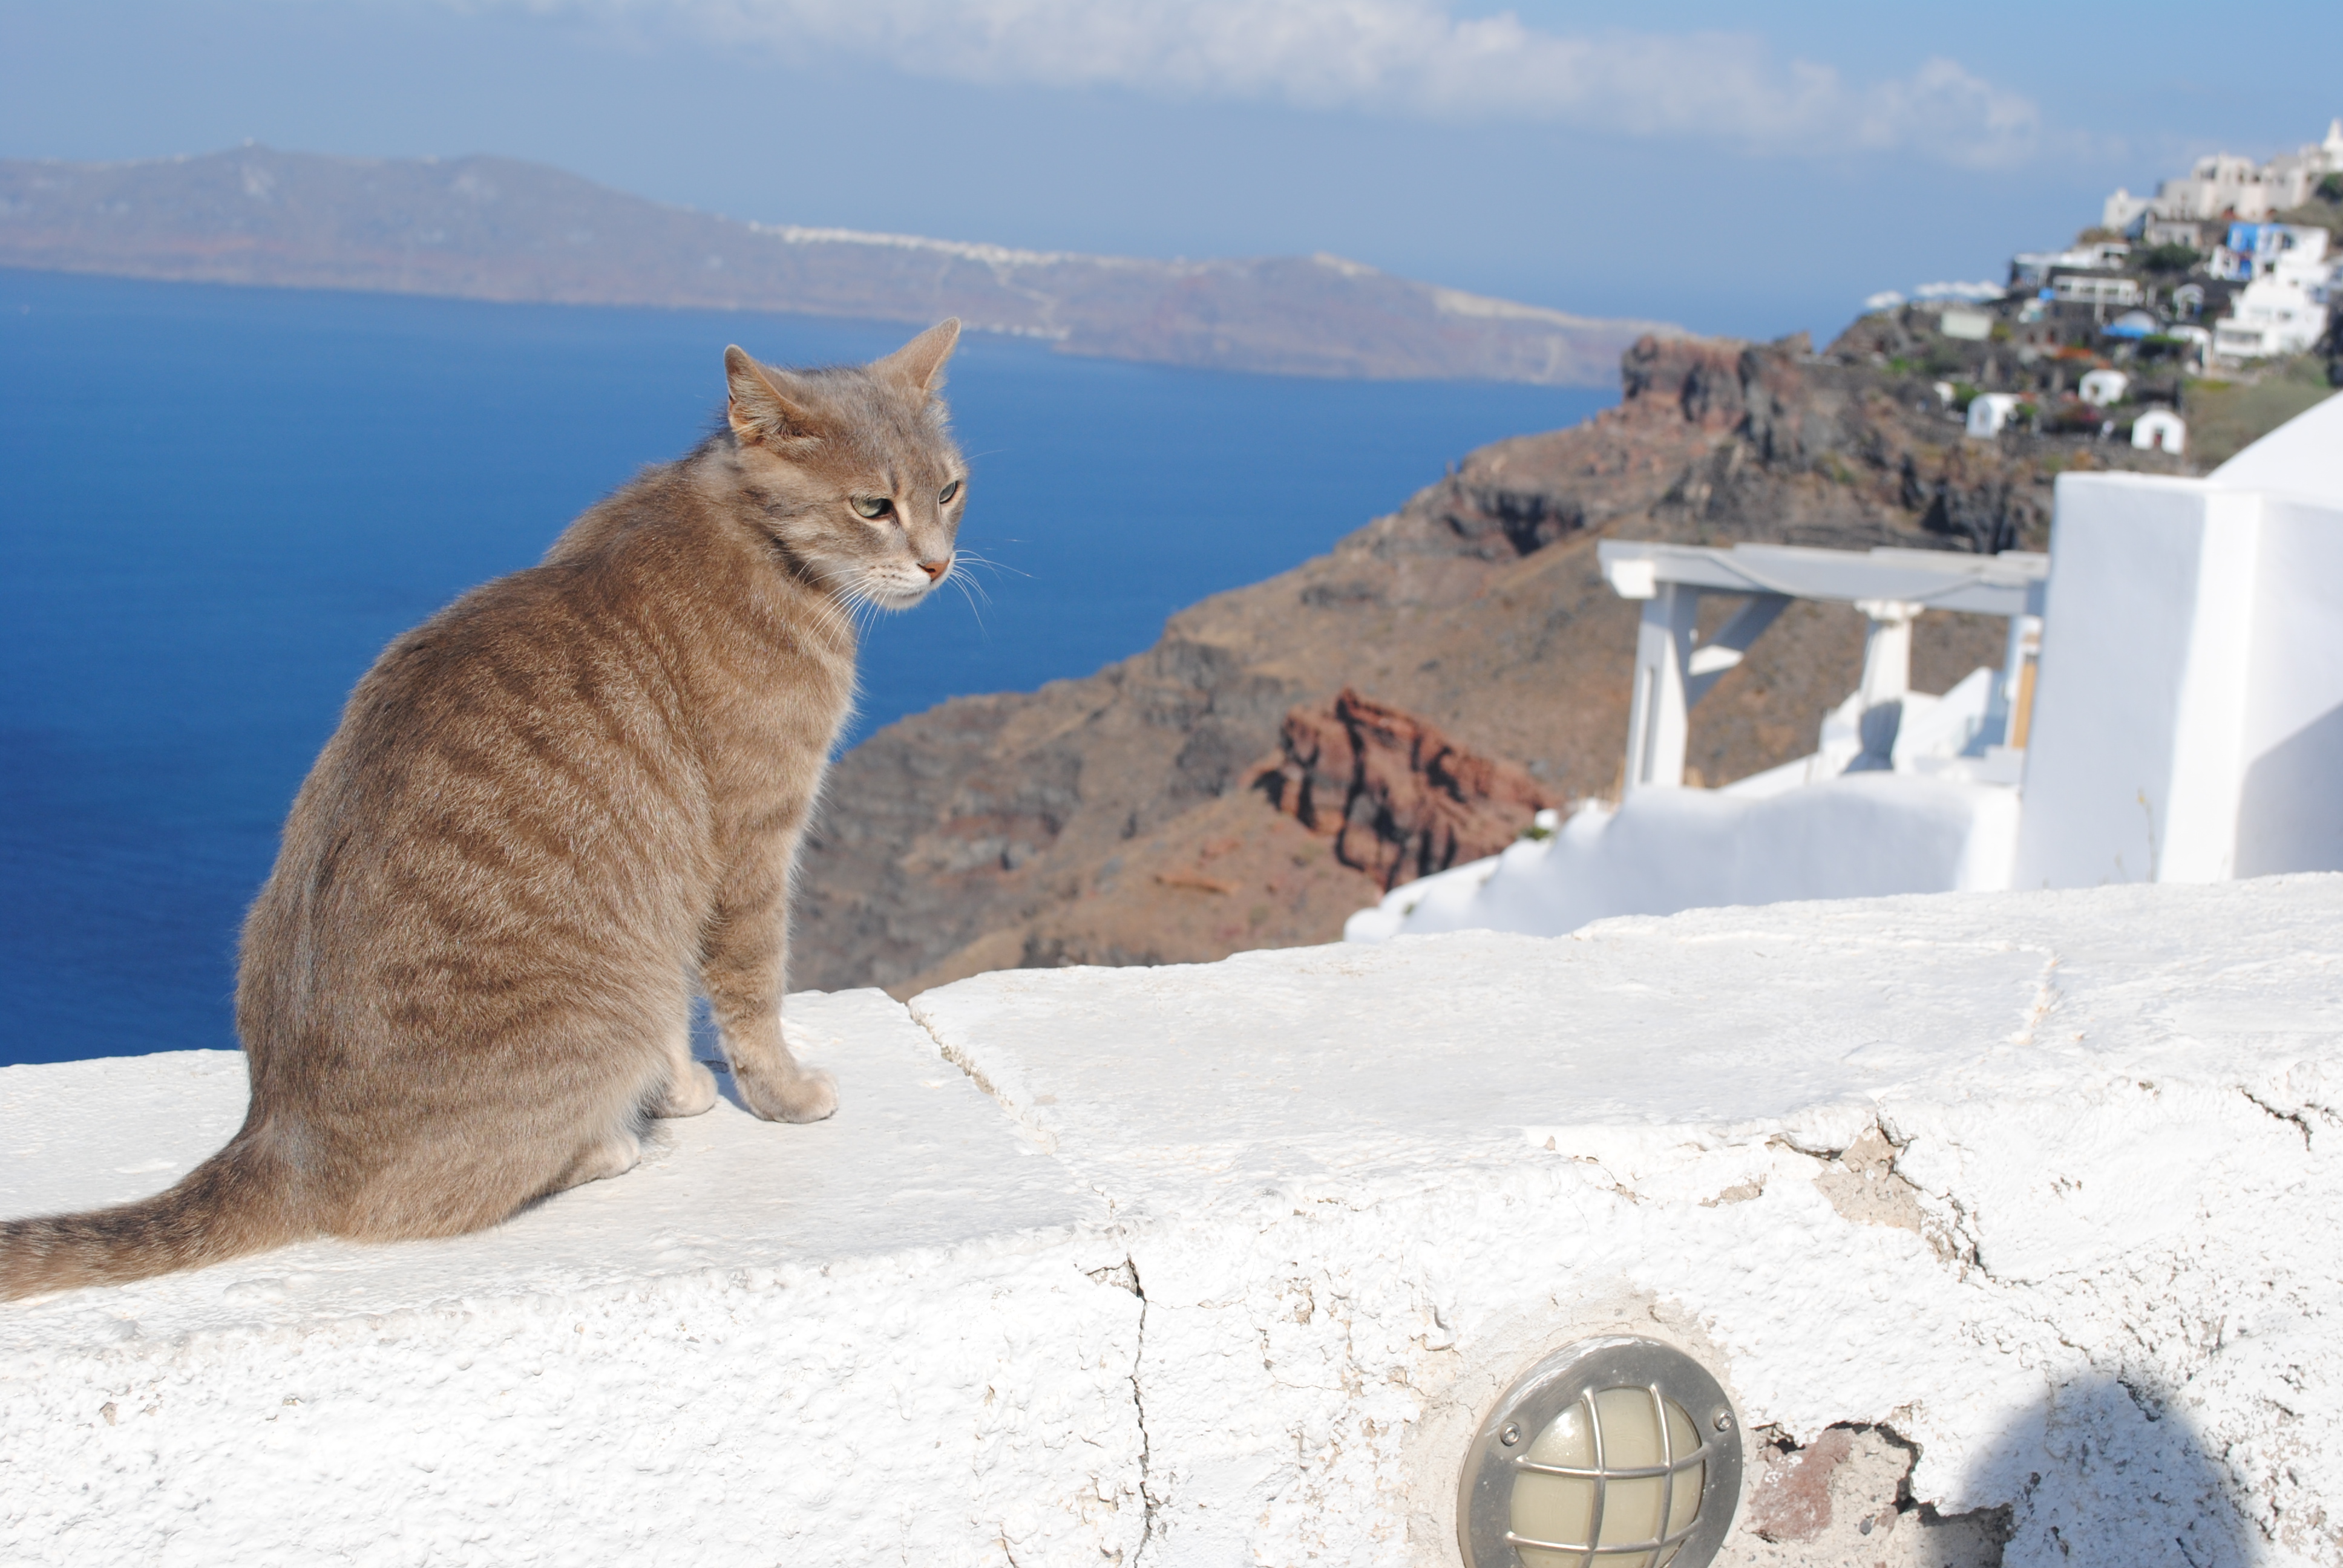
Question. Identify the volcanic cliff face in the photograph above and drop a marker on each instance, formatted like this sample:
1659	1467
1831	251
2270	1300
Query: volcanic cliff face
1123	818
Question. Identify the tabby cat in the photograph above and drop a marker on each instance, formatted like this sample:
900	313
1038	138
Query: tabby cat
550	813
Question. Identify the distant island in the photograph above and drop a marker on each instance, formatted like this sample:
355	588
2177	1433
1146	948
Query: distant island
501	229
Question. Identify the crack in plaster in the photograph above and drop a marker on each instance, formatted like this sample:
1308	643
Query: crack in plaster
1138	1408
2045	998
1861	1182
1034	1133
1124	1276
2301	1123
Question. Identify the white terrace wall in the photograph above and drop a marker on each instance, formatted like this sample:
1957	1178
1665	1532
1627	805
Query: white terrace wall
2009	1221
2132	765
2188	722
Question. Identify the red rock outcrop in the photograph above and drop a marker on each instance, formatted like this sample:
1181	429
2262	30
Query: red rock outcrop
1398	798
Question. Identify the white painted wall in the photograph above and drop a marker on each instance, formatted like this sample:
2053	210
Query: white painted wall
1195	1266
2192	641
2144	632
2290	794
1664	851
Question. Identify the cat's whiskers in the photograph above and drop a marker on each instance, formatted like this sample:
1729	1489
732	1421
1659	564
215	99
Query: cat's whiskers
863	606
961	584
973	558
829	615
970	579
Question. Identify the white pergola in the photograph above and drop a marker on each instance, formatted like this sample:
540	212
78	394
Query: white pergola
1890	586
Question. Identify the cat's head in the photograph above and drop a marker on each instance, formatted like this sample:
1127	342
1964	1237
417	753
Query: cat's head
853	469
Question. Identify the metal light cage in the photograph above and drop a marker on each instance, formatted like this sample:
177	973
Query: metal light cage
1677	1431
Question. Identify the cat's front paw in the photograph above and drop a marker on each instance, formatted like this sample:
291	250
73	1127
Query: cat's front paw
808	1095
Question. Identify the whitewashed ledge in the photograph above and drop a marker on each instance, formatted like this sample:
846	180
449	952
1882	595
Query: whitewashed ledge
1220	1265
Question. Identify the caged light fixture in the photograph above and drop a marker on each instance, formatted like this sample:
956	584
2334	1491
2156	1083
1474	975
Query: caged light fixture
1615	1453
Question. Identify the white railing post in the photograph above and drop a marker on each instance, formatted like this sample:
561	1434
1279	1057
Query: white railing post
1890	586
1886	649
1658	717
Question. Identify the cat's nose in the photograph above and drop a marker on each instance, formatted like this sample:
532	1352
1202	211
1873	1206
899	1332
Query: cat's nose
936	569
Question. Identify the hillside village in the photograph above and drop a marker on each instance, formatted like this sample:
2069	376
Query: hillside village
2209	304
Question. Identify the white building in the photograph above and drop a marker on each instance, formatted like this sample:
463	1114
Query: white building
2269	318
2226	184
1973	326
1989	411
2251	250
2222	184
2123	209
2094	288
2101	387
2034	267
2200	341
2284	310
2160	429
2293	177
2170	710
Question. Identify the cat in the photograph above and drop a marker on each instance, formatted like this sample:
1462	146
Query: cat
550	813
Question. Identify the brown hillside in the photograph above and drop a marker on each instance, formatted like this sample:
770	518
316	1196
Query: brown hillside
1108	820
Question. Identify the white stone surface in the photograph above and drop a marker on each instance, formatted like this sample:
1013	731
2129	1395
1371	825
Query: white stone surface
1363	1186
1230	1264
1664	851
861	1341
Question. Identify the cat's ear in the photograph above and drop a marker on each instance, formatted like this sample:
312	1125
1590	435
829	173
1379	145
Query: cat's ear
759	408
919	364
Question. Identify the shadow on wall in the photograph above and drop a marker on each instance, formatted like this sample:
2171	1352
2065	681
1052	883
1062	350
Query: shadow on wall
2115	1471
2290	805
2106	1476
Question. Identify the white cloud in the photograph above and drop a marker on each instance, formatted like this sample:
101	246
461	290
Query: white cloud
1412	57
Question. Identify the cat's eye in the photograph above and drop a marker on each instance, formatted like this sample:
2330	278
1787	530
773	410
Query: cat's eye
944	496
872	506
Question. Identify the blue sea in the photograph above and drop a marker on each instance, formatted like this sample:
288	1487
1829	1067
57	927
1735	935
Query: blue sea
217	505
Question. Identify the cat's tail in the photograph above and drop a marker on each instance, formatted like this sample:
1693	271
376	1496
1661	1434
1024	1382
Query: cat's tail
231	1204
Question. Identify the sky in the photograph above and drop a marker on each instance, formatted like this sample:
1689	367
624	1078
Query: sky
1739	169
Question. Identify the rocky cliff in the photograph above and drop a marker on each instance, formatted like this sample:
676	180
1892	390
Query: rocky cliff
1393	796
496	228
1122	819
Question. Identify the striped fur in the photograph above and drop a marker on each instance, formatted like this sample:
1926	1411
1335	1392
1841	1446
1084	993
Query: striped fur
551	814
